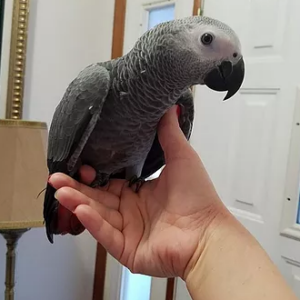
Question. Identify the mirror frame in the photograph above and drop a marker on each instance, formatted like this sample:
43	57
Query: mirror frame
17	59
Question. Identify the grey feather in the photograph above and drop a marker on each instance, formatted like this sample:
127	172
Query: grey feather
79	110
155	159
109	114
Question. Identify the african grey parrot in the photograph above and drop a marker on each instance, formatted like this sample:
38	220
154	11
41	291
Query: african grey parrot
109	114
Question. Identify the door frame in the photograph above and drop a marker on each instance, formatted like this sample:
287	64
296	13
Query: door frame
117	51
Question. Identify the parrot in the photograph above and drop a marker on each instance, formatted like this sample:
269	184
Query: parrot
109	114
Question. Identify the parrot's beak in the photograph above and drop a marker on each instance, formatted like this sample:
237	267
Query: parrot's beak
226	77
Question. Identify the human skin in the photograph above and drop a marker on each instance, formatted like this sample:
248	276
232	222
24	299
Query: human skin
175	226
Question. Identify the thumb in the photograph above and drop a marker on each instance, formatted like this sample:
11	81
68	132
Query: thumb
171	137
87	174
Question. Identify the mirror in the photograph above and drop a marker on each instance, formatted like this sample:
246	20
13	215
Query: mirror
13	38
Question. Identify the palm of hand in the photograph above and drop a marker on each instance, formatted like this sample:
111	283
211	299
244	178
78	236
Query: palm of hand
158	239
156	231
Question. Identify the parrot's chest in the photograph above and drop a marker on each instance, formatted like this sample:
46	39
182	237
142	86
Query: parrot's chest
126	129
118	142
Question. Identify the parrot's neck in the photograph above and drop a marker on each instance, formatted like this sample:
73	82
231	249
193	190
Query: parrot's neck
157	75
157	87
145	91
152	77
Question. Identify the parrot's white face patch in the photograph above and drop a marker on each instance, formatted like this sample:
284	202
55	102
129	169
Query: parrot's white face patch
224	44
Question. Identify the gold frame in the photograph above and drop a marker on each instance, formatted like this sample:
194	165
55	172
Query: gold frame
22	123
14	101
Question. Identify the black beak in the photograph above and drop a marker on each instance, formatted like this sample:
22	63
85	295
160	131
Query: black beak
226	77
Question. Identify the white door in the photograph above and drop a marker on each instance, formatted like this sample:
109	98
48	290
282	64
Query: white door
141	15
245	142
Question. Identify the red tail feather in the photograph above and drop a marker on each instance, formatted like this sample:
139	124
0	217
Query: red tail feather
67	222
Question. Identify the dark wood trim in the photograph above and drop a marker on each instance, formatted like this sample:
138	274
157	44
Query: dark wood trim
99	276
197	5
170	289
119	28
116	51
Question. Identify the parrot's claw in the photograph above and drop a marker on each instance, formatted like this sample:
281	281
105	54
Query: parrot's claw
138	182
101	180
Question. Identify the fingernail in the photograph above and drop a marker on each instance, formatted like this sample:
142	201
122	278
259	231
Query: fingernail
49	177
178	110
55	195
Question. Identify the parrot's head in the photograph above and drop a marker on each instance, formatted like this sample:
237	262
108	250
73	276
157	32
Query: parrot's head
220	54
207	51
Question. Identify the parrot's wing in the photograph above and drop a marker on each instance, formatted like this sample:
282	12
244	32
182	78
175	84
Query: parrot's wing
76	115
73	121
156	159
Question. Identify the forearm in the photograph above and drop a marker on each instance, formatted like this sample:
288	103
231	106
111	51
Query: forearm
231	265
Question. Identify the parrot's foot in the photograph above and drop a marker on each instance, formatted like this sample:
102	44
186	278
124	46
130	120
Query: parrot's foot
101	180
138	182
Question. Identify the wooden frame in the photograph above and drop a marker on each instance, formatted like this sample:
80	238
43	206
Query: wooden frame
197	7
14	99
117	51
119	28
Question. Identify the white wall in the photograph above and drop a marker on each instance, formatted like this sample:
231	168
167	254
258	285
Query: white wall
64	37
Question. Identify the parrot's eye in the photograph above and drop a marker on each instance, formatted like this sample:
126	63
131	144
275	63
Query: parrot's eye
207	39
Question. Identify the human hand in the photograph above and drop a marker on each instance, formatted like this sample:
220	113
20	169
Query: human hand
157	230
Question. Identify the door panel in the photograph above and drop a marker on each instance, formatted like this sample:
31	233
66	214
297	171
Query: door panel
137	16
245	142
160	14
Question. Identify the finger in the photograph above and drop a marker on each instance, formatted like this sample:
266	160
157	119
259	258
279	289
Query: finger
71	198
115	186
59	180
108	236
87	174
171	137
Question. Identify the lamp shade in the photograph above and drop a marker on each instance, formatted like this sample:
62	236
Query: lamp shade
23	173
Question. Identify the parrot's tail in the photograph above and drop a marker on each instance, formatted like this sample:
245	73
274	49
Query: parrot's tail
58	219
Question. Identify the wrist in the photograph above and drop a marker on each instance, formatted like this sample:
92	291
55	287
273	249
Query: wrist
214	233
230	264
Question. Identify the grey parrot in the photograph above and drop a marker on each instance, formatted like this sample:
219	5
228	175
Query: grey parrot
109	114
